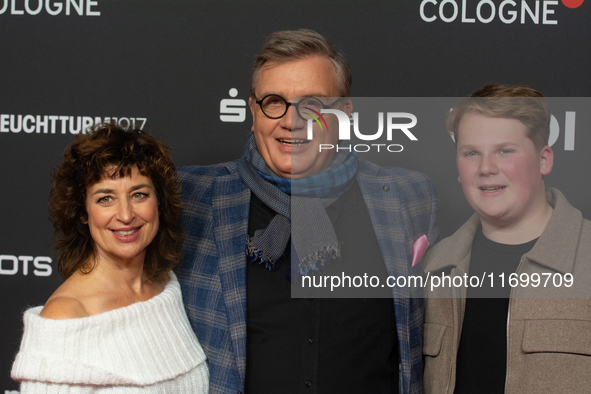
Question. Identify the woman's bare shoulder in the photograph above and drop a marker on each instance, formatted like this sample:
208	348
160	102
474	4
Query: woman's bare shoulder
83	296
65	302
63	307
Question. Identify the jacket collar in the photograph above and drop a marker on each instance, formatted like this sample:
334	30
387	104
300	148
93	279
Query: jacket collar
556	248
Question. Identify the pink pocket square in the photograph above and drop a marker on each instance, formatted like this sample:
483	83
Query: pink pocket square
418	249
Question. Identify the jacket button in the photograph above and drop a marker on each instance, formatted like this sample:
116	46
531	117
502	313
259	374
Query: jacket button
385	188
310	340
308	383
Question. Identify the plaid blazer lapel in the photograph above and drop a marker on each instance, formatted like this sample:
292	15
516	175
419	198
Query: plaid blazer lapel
394	228
230	204
385	210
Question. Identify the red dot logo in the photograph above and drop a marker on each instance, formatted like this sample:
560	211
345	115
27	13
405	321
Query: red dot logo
572	3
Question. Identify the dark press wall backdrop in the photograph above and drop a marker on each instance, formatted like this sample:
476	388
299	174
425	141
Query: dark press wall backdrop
180	69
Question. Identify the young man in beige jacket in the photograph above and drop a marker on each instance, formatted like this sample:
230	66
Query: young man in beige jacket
506	335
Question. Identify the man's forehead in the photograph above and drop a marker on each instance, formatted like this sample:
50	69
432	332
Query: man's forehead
308	76
280	62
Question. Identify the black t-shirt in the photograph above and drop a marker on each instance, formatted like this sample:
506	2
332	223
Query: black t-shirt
482	354
319	345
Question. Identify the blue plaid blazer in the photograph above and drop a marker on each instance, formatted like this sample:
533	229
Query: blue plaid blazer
402	205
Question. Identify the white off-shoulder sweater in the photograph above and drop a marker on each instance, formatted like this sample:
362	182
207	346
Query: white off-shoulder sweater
146	347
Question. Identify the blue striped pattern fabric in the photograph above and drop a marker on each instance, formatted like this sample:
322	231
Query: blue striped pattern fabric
302	216
332	182
402	205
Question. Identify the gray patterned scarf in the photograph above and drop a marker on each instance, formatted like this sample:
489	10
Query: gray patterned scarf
305	200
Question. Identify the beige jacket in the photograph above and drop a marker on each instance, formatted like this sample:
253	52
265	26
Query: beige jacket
548	339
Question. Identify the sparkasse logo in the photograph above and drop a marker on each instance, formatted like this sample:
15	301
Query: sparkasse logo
486	11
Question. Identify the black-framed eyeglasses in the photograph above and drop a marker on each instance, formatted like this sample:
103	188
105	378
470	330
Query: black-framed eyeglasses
275	106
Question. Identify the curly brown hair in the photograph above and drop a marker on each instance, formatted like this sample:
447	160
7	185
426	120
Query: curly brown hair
85	162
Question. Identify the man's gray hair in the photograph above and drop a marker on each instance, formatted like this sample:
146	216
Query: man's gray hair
287	45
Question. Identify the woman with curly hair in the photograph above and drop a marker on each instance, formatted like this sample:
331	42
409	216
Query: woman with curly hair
117	323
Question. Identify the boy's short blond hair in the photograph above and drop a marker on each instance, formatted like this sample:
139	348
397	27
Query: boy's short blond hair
507	101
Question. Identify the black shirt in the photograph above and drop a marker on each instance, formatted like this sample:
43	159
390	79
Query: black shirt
319	345
482	354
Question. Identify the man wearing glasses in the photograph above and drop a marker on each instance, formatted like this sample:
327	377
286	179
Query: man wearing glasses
286	209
